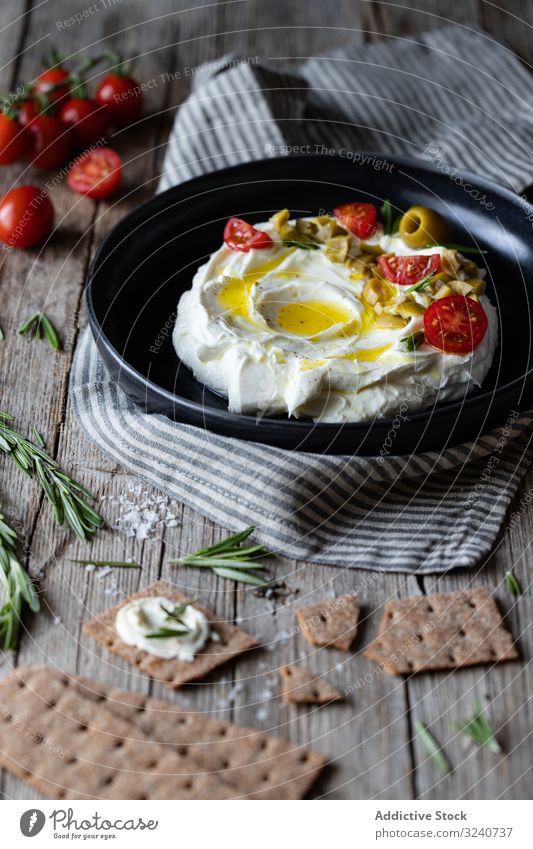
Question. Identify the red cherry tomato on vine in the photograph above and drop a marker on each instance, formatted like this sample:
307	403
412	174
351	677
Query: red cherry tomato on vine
358	218
13	140
122	98
27	111
241	236
96	173
26	217
50	142
455	325
408	270
45	82
87	120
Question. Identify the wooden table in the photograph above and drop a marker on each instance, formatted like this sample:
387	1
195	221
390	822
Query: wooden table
370	738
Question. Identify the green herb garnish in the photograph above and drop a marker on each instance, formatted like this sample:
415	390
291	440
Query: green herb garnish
513	584
126	564
18	587
464	249
413	341
296	243
168	632
39	326
479	730
421	283
228	559
68	498
390	224
432	747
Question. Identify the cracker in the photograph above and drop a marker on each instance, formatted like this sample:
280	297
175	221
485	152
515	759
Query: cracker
331	623
174	672
68	747
441	631
255	764
301	686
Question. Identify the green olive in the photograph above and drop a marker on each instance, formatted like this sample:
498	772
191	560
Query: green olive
421	227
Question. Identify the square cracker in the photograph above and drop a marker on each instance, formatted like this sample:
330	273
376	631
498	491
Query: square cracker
300	686
441	631
171	672
256	765
331	623
68	747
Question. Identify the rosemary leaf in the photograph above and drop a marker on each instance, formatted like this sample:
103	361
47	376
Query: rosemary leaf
479	730
51	333
239	577
432	747
119	564
386	212
168	632
513	584
421	283
464	249
413	341
28	325
2	335
296	243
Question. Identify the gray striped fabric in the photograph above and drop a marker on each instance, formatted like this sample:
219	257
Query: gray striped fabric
452	90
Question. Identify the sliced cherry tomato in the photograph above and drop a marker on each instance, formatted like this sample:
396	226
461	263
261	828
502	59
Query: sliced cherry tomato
46	82
13	140
408	270
26	217
96	173
50	142
241	236
455	325
358	218
122	98
86	118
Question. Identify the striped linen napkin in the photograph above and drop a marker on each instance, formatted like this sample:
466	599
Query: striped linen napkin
453	96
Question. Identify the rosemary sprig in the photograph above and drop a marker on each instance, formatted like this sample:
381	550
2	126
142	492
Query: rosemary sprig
117	564
39	326
296	243
174	615
228	559
177	612
464	249
420	284
432	747
478	728
513	584
68	498
413	341
18	588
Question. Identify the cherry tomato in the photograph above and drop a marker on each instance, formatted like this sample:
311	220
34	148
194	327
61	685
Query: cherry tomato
13	140
45	82
358	218
50	142
122	98
455	324
408	270
86	118
96	173
26	217
27	111
241	236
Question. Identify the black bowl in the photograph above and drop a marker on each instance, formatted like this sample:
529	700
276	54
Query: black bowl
150	257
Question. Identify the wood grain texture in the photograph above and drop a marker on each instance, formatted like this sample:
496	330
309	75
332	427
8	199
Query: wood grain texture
369	737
